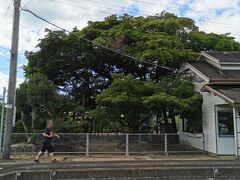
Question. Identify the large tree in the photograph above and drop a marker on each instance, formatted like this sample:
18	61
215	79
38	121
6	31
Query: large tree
81	70
128	98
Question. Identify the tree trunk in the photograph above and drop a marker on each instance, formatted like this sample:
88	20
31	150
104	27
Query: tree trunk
165	120
83	113
23	121
173	119
34	116
73	117
25	127
157	123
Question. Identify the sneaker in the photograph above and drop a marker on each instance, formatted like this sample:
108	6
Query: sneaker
36	161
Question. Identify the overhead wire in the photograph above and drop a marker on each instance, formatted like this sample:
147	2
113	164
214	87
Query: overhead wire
109	13
144	12
113	5
5	14
168	6
2	2
97	44
110	49
81	7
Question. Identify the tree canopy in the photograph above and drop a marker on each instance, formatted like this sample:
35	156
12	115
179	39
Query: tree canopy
85	77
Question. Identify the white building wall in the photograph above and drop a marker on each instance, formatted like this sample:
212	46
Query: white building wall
208	118
209	121
193	140
212	142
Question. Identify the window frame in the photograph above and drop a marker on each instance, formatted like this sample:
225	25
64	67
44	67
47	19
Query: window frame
226	111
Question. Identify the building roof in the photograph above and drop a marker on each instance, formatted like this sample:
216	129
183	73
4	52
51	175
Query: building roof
230	93
225	56
214	74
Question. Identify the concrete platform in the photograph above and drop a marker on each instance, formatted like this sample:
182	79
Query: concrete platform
121	168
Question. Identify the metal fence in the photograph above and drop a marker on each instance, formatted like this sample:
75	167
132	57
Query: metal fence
90	143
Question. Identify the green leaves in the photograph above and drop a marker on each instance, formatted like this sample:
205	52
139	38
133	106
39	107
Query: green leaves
160	100
66	67
39	89
201	41
164	39
124	90
129	95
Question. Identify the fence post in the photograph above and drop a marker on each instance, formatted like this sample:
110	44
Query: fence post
127	145
203	142
165	145
87	144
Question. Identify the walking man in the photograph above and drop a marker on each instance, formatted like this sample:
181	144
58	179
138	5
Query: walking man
48	134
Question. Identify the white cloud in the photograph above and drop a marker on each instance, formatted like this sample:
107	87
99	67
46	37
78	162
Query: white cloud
4	53
20	66
227	18
71	13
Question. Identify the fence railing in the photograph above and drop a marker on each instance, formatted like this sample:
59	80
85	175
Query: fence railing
91	143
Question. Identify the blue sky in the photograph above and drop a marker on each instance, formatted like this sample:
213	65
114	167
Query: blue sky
218	16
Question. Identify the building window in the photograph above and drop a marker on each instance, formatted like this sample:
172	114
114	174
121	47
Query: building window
193	125
225	123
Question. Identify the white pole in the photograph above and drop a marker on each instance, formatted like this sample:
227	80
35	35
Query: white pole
87	144
127	145
2	118
165	144
236	131
14	116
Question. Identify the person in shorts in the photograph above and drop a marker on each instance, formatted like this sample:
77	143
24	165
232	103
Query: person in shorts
48	134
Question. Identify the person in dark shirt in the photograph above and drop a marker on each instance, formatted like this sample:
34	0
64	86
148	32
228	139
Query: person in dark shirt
48	134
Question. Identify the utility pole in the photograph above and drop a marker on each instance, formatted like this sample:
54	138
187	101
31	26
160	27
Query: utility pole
11	82
2	118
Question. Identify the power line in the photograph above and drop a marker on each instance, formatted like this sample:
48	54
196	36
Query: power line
113	5
96	44
144	12
5	14
147	13
2	2
168	6
109	13
81	7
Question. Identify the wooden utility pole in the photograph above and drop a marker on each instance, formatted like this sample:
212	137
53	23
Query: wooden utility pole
11	83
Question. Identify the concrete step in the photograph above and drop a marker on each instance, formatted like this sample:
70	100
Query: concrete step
124	173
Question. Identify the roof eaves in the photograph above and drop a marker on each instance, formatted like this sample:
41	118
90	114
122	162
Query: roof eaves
205	54
229	63
218	80
208	88
198	72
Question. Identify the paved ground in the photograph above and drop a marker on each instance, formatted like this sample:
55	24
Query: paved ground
97	157
22	160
